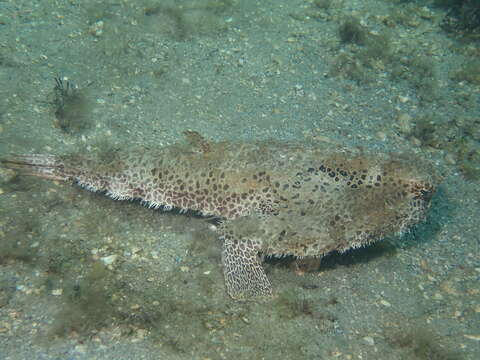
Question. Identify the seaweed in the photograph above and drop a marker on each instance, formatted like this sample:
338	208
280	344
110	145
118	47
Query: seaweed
89	305
420	344
469	72
351	67
462	18
367	52
72	108
322	4
419	71
377	47
15	244
182	22
177	17
351	31
458	137
469	161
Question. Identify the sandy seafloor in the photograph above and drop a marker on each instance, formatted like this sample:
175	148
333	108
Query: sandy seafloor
86	277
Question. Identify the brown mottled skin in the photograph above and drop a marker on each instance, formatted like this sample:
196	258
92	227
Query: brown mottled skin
274	198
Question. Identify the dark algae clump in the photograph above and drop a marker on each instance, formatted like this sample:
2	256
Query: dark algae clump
463	16
418	343
351	31
72	107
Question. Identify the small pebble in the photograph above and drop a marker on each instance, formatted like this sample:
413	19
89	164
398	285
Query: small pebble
385	303
57	292
82	349
369	340
108	260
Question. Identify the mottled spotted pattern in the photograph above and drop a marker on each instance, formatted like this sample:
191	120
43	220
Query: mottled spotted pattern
274	198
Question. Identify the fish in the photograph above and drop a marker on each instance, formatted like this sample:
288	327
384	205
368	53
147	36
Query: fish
271	198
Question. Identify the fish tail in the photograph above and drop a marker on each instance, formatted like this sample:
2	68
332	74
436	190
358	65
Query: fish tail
40	165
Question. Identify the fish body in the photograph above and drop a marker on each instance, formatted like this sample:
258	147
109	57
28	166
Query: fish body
273	198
